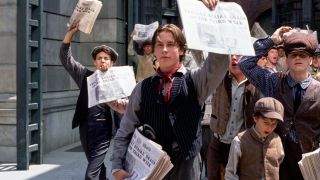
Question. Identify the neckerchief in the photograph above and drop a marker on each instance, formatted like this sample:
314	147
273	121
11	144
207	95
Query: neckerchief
167	78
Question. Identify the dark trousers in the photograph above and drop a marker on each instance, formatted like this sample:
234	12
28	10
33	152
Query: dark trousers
217	159
206	138
289	168
95	139
184	169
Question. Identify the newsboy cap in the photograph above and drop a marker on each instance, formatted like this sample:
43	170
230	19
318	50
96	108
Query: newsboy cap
300	41
269	108
109	50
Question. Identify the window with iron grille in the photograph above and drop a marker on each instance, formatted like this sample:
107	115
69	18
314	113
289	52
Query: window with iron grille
289	13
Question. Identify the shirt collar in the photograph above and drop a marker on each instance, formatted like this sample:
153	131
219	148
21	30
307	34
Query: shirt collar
304	84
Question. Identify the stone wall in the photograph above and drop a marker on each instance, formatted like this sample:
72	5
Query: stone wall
59	90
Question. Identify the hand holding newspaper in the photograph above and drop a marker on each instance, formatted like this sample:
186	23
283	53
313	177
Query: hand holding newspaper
145	159
144	32
118	82
224	30
85	12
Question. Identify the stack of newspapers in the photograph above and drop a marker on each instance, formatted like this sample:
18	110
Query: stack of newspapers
145	159
310	165
85	12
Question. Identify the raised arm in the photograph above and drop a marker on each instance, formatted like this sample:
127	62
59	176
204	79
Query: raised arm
207	78
74	68
264	80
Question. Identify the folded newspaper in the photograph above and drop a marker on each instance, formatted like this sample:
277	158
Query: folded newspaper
118	82
144	32
85	12
310	165
145	159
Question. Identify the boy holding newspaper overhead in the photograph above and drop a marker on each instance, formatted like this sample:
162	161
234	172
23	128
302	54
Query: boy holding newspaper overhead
95	123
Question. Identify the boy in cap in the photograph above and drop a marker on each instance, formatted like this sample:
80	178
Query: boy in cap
298	92
257	153
95	123
143	63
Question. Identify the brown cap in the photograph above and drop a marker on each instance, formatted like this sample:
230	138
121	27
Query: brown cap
300	41
269	108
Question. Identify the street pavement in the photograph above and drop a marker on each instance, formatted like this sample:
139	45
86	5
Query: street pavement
66	163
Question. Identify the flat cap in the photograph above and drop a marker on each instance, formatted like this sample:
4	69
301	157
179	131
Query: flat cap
270	108
303	40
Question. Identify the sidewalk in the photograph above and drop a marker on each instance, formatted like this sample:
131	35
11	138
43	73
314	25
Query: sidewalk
66	163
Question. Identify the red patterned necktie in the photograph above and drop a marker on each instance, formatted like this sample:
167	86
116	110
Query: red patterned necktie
167	78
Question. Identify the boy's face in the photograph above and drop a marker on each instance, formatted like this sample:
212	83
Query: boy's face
147	49
167	51
272	56
233	66
265	126
281	52
298	62
103	61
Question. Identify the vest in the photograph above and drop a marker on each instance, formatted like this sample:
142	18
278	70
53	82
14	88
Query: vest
178	120
81	112
221	104
306	120
259	159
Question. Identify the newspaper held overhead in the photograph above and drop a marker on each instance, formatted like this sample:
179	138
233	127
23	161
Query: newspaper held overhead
224	30
86	13
118	82
144	32
310	165
145	159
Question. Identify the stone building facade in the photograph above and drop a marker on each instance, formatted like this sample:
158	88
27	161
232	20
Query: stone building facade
59	91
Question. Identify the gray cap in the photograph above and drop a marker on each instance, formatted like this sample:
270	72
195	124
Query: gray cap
269	108
114	55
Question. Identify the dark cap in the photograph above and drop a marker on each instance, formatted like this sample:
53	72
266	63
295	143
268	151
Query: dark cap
300	41
317	51
103	48
147	42
269	108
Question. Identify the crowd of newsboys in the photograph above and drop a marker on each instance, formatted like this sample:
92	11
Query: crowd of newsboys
261	121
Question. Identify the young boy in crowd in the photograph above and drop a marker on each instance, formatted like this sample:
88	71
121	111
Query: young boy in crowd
297	91
256	153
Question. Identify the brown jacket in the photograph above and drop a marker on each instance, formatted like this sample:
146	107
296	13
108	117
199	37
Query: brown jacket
259	158
221	103
306	120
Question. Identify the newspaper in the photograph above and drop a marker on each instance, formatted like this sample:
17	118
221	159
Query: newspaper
258	32
310	165
118	82
85	12
224	30
145	32
145	159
